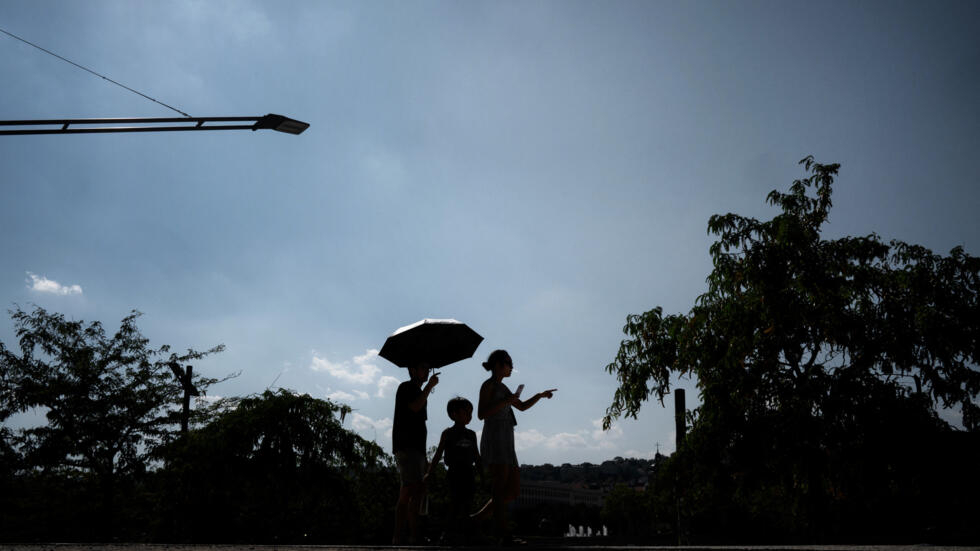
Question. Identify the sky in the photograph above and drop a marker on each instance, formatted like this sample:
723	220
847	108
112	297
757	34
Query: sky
538	170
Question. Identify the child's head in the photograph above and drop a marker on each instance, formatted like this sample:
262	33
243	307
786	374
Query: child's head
460	409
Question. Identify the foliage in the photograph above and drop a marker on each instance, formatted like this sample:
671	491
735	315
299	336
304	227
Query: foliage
630	471
278	468
643	513
813	357
109	400
627	513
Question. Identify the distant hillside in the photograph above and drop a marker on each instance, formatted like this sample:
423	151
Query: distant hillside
630	472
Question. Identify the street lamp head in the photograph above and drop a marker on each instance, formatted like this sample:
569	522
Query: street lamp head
281	124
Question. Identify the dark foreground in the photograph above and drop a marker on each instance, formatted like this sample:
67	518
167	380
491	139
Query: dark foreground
552	545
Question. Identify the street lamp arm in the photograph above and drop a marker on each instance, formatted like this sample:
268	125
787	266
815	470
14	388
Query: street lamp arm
150	124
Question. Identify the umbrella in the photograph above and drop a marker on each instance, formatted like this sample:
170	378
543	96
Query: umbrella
438	342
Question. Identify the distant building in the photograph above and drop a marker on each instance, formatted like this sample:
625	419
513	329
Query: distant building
546	492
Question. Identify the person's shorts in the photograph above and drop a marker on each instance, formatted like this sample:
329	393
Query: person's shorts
411	466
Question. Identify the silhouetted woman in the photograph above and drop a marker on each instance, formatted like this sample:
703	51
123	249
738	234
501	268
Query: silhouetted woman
497	440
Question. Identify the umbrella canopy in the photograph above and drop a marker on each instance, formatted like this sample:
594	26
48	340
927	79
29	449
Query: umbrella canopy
438	342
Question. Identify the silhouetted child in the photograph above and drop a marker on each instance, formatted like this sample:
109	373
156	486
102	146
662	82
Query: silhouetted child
462	460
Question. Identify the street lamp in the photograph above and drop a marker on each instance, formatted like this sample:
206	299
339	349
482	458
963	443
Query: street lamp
164	124
281	124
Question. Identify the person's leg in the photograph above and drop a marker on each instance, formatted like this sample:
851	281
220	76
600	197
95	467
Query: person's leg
402	503
418	463
501	488
401	515
465	522
514	483
411	466
498	474
462	485
416	494
511	490
487	510
457	511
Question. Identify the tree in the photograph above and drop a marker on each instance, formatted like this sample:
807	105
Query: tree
804	349
108	400
627	513
277	468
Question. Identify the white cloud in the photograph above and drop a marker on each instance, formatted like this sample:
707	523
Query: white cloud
343	396
362	422
584	439
566	441
604	438
340	396
525	439
42	284
361	370
386	384
533	438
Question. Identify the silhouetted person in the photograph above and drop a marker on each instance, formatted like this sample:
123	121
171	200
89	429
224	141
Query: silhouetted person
497	440
408	444
462	455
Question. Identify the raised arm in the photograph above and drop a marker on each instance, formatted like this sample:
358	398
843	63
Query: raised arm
419	403
526	404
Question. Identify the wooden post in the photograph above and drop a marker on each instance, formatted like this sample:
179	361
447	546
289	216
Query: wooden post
680	414
680	489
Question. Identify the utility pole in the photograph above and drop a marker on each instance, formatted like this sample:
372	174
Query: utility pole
185	379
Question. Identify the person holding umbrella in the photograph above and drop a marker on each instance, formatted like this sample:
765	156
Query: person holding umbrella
497	440
408	436
421	346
